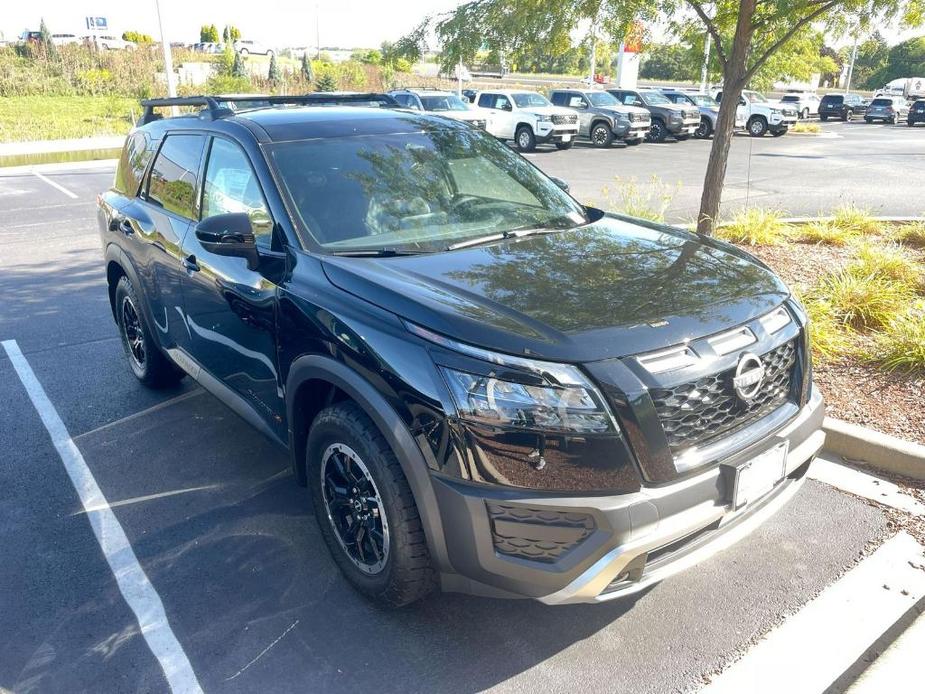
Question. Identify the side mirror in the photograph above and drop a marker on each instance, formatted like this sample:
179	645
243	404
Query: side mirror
560	182
231	235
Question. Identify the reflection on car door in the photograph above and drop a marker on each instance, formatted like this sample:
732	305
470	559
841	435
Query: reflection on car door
230	309
156	223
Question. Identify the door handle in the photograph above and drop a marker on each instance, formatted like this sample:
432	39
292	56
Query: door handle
190	264
126	227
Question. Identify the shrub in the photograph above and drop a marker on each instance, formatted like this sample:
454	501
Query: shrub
326	83
856	221
755	227
911	234
308	73
823	232
901	346
806	128
649	203
828	337
274	75
889	262
861	301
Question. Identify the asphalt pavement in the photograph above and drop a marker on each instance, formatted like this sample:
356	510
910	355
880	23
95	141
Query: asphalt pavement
228	541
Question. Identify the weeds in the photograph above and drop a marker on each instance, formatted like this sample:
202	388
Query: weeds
901	346
825	233
910	234
756	227
855	221
828	337
889	262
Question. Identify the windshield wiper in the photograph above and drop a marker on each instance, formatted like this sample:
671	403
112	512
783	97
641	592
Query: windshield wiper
375	253
508	234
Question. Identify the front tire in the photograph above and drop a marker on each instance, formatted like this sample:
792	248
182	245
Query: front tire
657	131
145	359
703	130
823	118
757	126
805	114
847	116
779	132
365	509
525	139
601	135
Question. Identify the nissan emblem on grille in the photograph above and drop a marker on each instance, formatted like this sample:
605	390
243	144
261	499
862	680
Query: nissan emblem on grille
749	376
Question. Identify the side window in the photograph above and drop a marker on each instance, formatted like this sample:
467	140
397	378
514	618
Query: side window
502	103
231	186
558	98
173	176
135	157
577	102
486	100
404	100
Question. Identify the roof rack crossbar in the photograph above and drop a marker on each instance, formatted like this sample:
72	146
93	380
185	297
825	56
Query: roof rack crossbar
220	106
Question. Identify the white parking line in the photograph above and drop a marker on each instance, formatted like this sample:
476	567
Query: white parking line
54	185
133	583
863	484
814	647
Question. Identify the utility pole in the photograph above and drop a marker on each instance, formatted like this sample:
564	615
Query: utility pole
168	57
317	31
705	71
854	55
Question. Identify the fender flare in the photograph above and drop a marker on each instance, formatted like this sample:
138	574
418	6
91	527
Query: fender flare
319	367
115	254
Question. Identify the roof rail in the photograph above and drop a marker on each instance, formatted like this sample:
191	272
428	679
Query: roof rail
222	106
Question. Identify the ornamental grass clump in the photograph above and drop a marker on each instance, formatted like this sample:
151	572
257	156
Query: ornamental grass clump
862	302
827	335
756	227
824	232
856	221
889	261
910	234
901	345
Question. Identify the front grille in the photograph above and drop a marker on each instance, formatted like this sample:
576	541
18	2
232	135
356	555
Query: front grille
696	412
639	117
564	120
542	535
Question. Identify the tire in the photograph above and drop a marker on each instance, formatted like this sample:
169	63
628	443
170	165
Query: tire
704	130
633	143
869	120
145	359
657	131
910	123
601	135
804	114
823	118
847	116
757	126
565	145
525	139
344	438
682	138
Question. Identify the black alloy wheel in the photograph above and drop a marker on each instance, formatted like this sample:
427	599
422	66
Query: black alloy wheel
601	135
132	333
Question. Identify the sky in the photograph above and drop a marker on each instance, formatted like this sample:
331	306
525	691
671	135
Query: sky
342	23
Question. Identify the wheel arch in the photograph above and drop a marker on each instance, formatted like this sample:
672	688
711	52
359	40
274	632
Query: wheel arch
316	380
119	265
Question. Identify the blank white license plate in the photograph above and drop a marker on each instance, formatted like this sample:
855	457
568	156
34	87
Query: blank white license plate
758	476
566	138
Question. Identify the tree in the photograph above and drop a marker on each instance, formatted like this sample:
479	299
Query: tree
906	59
137	37
326	82
873	56
274	75
308	73
208	33
51	50
230	33
674	62
238	68
746	34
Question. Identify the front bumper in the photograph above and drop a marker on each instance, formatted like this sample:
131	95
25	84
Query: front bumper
547	132
557	549
632	130
685	127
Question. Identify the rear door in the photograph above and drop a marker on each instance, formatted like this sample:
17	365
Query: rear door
155	224
231	309
502	117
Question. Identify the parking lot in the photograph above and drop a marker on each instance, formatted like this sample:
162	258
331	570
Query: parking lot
228	541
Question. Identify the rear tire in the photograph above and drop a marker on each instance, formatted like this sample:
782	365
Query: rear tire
356	481
805	114
846	116
525	139
704	130
757	126
823	118
145	359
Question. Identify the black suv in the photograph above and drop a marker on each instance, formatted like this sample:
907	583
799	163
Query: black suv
916	113
843	106
486	386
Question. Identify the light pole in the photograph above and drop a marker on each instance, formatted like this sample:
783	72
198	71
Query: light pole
168	58
854	56
705	71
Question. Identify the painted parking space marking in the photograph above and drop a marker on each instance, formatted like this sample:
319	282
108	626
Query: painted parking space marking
863	484
57	186
825	638
133	583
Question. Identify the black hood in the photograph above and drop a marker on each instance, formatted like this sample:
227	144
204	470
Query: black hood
611	288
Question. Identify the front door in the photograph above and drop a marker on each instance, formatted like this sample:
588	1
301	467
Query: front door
231	309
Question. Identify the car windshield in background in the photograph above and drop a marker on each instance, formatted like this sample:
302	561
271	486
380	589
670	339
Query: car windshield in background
602	99
790	98
415	192
655	98
531	99
881	102
755	97
704	100
448	102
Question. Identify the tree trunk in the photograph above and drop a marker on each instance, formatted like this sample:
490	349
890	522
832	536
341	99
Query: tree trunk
733	82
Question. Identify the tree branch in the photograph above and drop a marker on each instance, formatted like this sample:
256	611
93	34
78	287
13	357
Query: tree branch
824	7
711	27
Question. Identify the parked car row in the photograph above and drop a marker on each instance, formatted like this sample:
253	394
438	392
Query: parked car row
242	46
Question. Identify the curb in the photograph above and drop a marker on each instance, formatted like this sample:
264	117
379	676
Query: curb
859	444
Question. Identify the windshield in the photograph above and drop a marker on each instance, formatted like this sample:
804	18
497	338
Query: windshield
420	191
792	98
444	102
655	98
881	102
754	97
704	100
530	99
602	99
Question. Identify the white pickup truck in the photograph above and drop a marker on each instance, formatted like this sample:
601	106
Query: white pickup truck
762	116
528	118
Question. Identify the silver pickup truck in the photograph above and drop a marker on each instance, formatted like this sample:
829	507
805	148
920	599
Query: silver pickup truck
602	119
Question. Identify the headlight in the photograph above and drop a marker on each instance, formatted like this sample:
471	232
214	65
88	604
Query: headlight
675	116
572	407
544	119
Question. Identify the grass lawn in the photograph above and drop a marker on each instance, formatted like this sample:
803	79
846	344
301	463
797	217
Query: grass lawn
59	117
